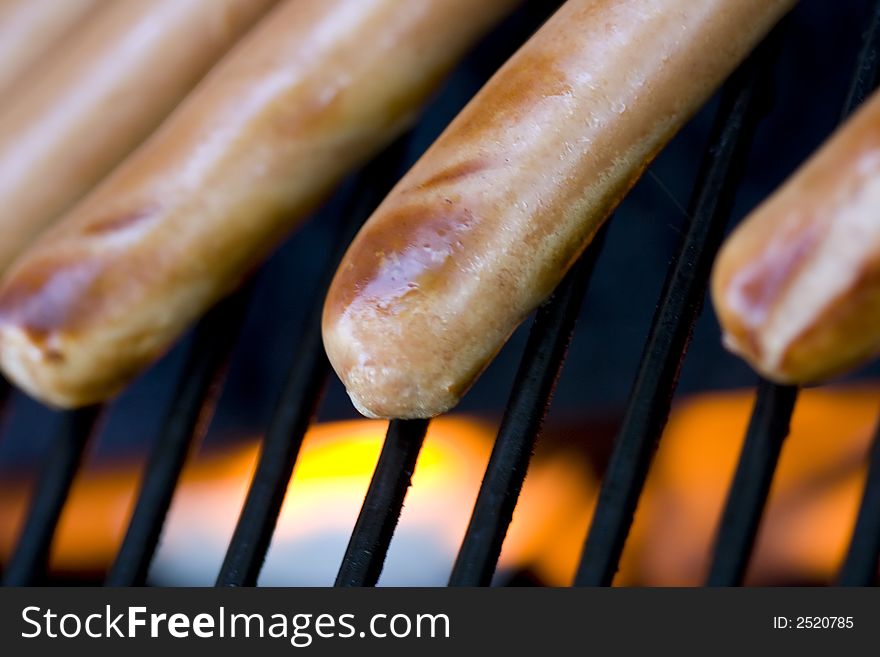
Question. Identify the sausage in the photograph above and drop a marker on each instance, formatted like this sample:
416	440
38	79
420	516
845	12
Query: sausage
30	28
482	229
88	104
315	90
797	285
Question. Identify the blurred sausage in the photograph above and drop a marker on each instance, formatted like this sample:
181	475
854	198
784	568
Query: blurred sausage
90	103
30	28
797	285
314	91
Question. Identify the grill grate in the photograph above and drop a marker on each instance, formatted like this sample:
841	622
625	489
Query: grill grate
681	301
772	414
743	100
302	392
187	421
529	399
29	560
362	563
860	566
767	430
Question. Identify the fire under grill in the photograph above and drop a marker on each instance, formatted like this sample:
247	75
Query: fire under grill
744	100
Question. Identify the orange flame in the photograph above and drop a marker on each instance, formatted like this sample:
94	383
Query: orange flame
813	500
324	497
803	538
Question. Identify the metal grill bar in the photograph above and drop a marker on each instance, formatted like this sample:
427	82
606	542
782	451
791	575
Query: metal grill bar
187	421
742	101
768	428
302	392
529	399
380	512
643	424
865	78
775	404
30	558
5	392
860	566
281	445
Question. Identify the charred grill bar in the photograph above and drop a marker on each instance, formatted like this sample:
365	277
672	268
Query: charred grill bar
365	555
768	428
187	421
29	560
529	399
742	102
302	393
860	566
773	409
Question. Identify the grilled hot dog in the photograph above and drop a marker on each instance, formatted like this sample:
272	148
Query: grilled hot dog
91	102
30	28
487	223
315	90
797	285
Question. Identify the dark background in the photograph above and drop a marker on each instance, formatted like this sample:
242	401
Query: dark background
820	41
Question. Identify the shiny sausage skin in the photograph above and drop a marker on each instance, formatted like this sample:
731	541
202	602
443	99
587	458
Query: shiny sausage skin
29	29
797	285
487	223
88	104
315	90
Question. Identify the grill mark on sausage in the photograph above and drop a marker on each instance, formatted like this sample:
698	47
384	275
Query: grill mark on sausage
49	295
123	221
454	173
756	289
411	251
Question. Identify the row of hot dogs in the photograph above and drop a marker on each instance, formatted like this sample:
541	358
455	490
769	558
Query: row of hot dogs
139	234
136	251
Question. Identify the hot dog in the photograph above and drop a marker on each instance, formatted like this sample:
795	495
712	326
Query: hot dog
30	28
487	223
797	285
91	102
315	90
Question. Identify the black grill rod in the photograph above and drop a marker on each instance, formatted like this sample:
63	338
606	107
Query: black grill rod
303	390
5	393
186	422
768	427
865	78
775	404
527	405
860	565
743	100
365	554
5	403
30	557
